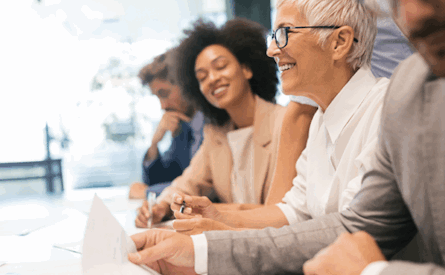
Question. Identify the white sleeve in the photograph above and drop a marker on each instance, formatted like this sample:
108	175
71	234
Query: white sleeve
201	253
374	268
294	205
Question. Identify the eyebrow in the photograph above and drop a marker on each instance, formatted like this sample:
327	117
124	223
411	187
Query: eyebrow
212	62
284	24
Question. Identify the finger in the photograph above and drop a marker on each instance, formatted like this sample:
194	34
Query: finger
179	115
140	240
310	267
158	214
140	222
183	216
172	126
315	266
175	207
171	121
197	201
184	225
134	258
148	255
177	201
177	198
144	210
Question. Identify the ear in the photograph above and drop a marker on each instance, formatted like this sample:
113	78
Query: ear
247	72
342	40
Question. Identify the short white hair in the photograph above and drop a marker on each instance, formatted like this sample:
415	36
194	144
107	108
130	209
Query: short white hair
361	17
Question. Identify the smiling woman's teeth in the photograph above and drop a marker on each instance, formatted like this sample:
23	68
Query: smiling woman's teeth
286	67
217	91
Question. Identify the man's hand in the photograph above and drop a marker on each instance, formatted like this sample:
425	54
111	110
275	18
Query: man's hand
197	226
195	207
348	255
159	212
170	121
164	251
137	190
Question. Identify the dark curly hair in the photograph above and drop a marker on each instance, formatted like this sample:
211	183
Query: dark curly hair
245	39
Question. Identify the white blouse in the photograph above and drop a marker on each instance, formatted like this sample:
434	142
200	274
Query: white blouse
241	145
340	143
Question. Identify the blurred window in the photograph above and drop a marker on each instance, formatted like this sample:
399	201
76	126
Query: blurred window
73	64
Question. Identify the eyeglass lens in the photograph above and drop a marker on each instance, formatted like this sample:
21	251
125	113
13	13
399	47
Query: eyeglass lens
281	37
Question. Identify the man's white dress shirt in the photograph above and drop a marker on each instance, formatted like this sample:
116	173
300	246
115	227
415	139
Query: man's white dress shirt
340	143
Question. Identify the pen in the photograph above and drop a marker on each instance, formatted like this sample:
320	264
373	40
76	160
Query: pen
181	210
151	199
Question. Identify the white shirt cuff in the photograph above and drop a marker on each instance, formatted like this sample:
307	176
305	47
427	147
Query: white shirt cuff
303	100
374	268
288	211
201	251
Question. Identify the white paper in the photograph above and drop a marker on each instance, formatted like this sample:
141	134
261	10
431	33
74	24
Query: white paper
106	245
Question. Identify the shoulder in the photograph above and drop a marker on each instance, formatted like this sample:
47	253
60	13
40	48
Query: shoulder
409	75
269	111
403	91
215	134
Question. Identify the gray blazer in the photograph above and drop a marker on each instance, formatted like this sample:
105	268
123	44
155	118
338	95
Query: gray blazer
405	192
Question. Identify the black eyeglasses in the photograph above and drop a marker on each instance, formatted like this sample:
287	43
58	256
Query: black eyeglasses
281	34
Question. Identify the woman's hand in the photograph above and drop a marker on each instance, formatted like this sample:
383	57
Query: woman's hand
196	207
198	225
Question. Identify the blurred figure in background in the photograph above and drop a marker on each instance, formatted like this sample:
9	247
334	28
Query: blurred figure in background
180	118
226	74
391	46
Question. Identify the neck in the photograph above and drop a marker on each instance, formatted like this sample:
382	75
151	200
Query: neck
324	93
242	114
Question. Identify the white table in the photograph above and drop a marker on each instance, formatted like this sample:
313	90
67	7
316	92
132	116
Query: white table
46	231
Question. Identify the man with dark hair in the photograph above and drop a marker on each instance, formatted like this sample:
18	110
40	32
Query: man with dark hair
402	192
180	118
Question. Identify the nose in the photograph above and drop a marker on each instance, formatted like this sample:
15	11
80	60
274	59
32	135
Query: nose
213	76
273	50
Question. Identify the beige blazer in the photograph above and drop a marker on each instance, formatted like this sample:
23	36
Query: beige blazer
211	167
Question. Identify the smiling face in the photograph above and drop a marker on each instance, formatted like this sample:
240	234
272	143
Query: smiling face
303	63
423	22
223	81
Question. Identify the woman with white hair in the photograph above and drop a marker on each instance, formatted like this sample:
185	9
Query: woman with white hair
323	49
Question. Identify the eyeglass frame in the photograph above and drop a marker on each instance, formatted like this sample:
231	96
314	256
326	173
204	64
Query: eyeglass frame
273	34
